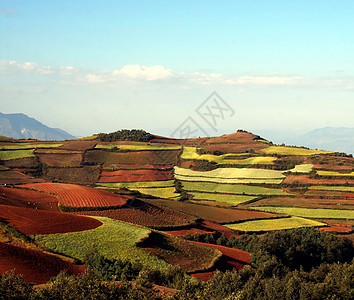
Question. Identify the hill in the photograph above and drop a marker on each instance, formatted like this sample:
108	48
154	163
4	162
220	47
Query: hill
20	126
146	195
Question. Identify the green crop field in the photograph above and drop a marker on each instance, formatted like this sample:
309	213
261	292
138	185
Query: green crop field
166	192
232	173
229	199
230	188
283	150
304	168
138	184
316	213
14	154
113	240
333	173
332	188
190	153
19	146
139	146
229	181
274	224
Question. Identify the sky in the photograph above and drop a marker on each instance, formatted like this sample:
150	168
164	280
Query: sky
99	66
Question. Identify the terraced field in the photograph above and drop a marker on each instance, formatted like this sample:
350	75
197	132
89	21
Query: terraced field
79	196
274	224
137	146
283	150
138	184
333	173
237	189
15	154
317	213
214	214
113	240
333	188
222	198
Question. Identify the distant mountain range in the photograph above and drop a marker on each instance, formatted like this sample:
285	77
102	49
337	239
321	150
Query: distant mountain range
20	126
339	139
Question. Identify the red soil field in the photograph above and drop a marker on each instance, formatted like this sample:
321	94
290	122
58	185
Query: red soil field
232	259
13	177
203	227
143	167
348	194
305	202
78	145
214	214
135	178
35	221
36	267
113	159
27	198
304	179
331	167
77	175
145	214
80	196
338	229
134	172
61	160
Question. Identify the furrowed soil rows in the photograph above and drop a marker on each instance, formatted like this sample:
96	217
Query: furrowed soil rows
145	214
214	214
80	196
35	221
27	198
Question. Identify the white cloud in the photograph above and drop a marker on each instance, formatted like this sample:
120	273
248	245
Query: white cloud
29	67
144	73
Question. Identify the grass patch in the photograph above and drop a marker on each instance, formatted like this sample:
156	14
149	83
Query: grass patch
333	173
138	146
232	173
237	189
304	168
229	199
190	153
316	213
284	150
167	192
14	154
274	224
19	146
138	184
332	188
113	240
229	180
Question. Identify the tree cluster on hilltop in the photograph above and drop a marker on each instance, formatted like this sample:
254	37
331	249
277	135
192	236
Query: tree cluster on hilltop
137	135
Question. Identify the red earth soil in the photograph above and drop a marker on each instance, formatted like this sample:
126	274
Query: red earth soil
136	178
339	229
333	167
35	221
61	160
232	259
142	167
348	194
78	145
80	196
304	202
202	228
304	179
36	267
134	172
13	177
27	198
145	214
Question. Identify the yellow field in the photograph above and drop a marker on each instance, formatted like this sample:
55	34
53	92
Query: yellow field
274	224
333	173
283	150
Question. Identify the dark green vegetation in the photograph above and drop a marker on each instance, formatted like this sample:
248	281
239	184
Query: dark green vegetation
280	272
136	135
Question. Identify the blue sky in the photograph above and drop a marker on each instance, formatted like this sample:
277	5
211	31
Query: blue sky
92	66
